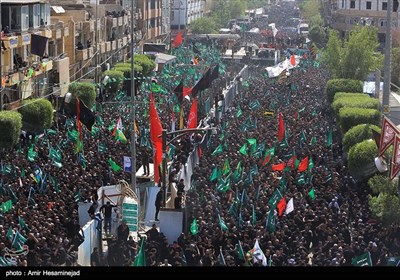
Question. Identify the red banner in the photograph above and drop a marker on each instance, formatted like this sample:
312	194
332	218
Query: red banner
389	130
395	166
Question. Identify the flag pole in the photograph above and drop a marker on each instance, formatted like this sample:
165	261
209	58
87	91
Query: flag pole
133	112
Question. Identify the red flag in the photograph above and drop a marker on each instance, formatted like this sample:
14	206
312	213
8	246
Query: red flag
186	91
155	132
291	162
178	40
395	167
192	118
293	60
281	128
78	114
278	167
266	160
303	164
389	130
199	152
281	206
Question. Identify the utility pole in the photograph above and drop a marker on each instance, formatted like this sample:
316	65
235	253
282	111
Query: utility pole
133	110
96	40
388	59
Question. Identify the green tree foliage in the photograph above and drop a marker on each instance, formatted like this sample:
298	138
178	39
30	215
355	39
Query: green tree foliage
349	117
395	74
342	85
354	57
10	128
331	56
253	4
84	91
146	63
357	134
310	8
361	159
364	101
385	205
339	95
115	80
222	11
37	114
204	25
317	31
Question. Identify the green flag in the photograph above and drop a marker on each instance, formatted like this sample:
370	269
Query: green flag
310	164
301	180
312	194
243	149
51	132
239	112
222	223
31	154
218	150
216	174
10	234
18	241
271	226
393	261
140	259
226	168
221	258
224	184
329	138
77	195
73	135
194	228
101	148
240	251
23	225
115	167
253	217
362	260
313	141
276	196
120	136
6	206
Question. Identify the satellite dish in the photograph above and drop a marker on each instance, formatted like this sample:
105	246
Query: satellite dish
381	164
68	97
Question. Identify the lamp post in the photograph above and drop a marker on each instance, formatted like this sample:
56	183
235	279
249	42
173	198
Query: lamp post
388	59
133	110
163	136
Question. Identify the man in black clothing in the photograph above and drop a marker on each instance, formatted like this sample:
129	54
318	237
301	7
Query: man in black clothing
159	201
122	232
95	257
107	215
178	201
145	162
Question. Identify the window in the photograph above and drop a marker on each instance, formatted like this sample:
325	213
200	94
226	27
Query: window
152	23
352	4
384	6
342	4
24	17
34	16
153	4
16	18
44	14
368	5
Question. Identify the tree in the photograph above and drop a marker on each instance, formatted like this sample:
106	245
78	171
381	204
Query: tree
355	56
331	56
385	205
357	134
37	114
146	63
317	31
342	85
10	128
395	74
114	81
361	159
310	8
220	12
84	91
203	26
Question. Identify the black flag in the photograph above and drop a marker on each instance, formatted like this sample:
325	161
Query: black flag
86	116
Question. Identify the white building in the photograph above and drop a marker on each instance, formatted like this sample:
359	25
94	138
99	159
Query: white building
185	11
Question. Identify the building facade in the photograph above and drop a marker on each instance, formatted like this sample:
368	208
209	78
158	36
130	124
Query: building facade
345	14
26	64
186	11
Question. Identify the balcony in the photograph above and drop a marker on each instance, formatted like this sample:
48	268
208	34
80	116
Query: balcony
120	21
124	40
24	39
90	52
13	79
10	42
108	46
66	31
47	33
120	43
57	33
47	66
102	47
81	55
113	45
88	26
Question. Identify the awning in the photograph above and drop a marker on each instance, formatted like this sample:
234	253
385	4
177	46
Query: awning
58	9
